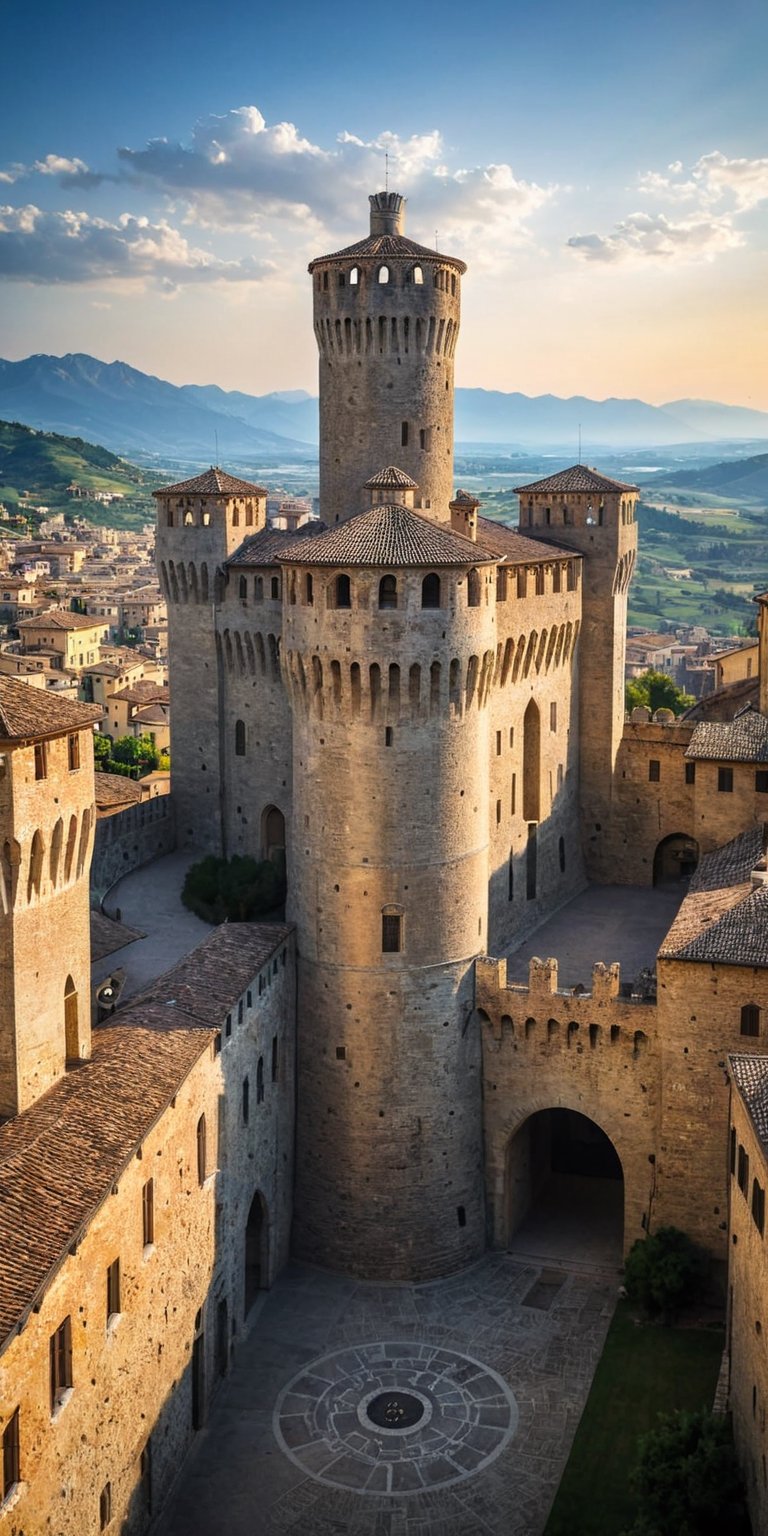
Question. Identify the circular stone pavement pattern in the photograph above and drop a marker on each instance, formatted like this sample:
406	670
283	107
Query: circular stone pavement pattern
467	1415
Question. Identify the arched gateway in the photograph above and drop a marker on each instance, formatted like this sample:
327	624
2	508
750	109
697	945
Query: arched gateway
564	1189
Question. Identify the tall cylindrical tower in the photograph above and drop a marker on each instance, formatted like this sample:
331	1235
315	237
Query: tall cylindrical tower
389	668
386	315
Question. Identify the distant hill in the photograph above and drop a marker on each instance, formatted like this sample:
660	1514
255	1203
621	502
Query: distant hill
44	464
734	478
134	412
130	411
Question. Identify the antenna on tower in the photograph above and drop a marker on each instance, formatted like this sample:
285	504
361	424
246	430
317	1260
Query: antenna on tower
579	442
386	170
216	439
435	239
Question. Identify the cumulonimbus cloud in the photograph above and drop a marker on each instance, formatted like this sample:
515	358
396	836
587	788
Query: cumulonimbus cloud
71	247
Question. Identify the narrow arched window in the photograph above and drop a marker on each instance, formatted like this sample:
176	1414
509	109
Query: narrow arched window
354	276
275	589
417	275
391	932
239	738
260	1080
258	589
343	592
430	591
388	592
750	1019
168	515
383	274
188	518
473	589
308	589
35	867
202	1151
243	589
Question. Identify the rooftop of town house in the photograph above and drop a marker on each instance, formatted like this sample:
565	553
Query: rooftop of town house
390	535
26	713
390	476
264	548
115	790
580	479
515	548
750	1075
724	917
144	691
64	1154
61	618
212	482
744	739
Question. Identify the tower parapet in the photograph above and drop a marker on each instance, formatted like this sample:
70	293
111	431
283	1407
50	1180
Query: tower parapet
386	317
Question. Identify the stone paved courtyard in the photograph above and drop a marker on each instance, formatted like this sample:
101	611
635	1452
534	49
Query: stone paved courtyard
495	1364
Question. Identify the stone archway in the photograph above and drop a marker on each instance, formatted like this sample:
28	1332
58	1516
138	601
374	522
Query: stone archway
675	859
564	1189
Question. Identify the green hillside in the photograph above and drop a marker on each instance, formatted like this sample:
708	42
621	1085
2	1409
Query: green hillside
36	468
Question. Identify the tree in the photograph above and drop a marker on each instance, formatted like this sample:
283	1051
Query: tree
239	889
655	690
137	752
664	1272
687	1479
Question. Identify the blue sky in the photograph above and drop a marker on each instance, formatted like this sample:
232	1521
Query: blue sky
167	171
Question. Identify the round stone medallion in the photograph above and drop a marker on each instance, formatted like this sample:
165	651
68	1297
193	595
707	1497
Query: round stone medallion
394	1418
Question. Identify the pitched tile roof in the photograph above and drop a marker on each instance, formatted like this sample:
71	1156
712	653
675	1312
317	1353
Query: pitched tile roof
143	692
742	740
212	482
390	245
115	789
61	1157
515	548
61	618
750	1074
27	712
390	476
264	548
723	919
580	478
389	535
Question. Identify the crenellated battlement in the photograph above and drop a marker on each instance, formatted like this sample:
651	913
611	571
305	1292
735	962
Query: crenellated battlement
546	1017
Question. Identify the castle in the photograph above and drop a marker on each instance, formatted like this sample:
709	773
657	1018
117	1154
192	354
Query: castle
420	712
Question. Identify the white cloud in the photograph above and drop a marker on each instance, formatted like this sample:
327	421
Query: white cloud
69	172
72	247
713	179
644	236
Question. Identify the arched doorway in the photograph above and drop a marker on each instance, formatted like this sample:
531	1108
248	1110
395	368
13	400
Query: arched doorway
273	835
256	1252
675	859
564	1189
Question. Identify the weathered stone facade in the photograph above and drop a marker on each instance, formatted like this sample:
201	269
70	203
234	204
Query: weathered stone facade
748	1277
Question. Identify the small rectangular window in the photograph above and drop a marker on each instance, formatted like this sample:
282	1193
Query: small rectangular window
690	773
758	1206
73	749
654	770
113	1289
732	1149
105	1506
498	743
761	781
725	780
498	813
246	1100
11	1456
390	933
61	1362
41	760
148	1212
553	716
275	1059
743	1171
404	434
202	1151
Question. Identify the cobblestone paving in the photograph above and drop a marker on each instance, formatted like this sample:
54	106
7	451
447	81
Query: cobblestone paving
290	1448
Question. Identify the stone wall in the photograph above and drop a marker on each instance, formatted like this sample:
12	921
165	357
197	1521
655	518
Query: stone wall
130	838
595	1052
748	1314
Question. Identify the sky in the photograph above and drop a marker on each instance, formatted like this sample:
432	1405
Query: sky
167	171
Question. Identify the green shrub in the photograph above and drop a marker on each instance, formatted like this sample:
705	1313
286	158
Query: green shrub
665	1272
237	889
687	1480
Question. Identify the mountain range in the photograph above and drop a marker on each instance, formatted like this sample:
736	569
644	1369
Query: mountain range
135	413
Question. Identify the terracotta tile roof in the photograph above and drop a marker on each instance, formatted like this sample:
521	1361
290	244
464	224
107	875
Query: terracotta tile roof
390	535
61	1157
742	740
27	712
143	692
580	479
750	1075
61	618
264	548
515	548
152	714
212	482
723	919
397	246
115	789
390	476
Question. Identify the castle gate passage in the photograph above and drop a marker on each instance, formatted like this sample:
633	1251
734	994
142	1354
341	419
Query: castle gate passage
564	1189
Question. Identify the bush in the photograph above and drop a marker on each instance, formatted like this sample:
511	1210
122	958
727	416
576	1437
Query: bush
687	1480
237	889
665	1272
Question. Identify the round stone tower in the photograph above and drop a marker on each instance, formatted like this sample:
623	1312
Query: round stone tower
386	315
388	647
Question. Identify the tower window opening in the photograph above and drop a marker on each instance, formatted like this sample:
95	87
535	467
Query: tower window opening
690	773
168	515
391	936
239	738
258	589
725	781
343	592
260	1080
417	275
73	751
404	434
473	588
189	518
113	1290
243	589
274	589
654	770
11	1456
308	589
511	876
750	1019
388	592
383	274
202	1150
531	863
325	282
430	591
41	760
354	277
342	280
60	1350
